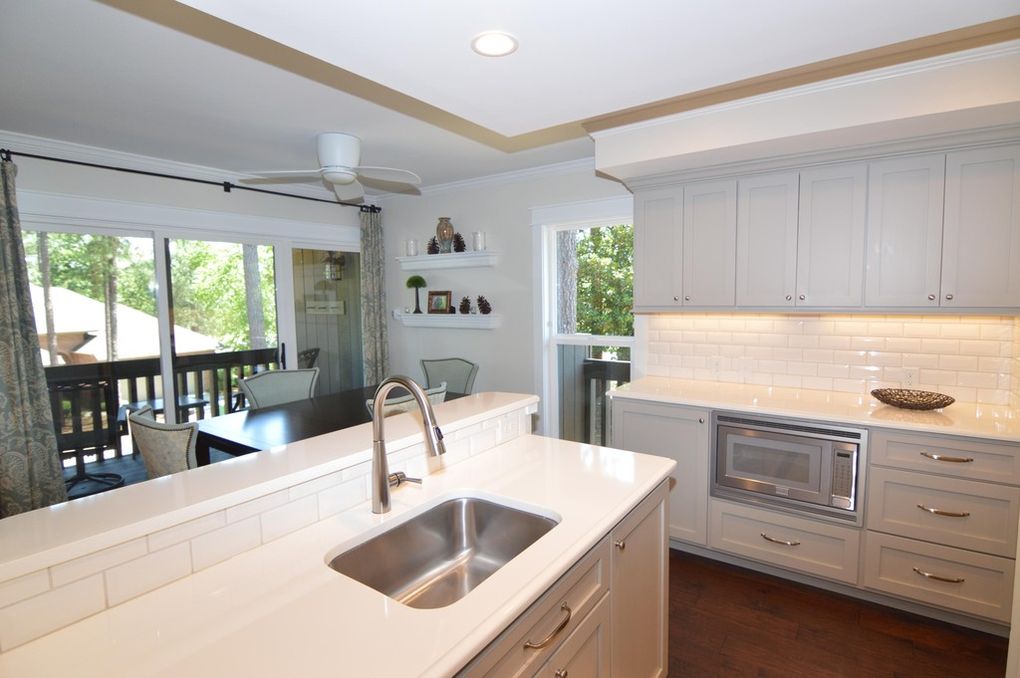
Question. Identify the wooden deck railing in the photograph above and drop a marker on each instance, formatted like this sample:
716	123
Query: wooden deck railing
88	400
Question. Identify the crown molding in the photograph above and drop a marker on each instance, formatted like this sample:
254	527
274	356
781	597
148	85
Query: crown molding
28	143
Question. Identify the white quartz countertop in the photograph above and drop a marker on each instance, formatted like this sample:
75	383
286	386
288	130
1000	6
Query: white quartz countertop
977	420
279	610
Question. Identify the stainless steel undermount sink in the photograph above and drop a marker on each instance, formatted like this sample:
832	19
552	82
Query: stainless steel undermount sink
439	556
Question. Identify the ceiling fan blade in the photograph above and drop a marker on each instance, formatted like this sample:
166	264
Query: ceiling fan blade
391	174
351	192
286	173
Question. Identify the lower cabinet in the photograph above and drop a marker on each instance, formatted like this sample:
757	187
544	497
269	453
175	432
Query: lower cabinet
969	582
679	433
607	615
814	547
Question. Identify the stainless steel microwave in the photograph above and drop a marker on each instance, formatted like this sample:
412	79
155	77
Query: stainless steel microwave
792	465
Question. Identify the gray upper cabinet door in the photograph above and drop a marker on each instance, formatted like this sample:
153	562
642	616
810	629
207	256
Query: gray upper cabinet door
767	240
905	231
710	233
830	236
981	245
658	247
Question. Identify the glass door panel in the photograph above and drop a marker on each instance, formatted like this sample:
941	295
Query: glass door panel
327	303
224	323
94	302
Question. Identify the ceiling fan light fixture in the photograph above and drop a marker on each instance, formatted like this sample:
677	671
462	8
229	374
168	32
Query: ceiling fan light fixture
494	43
335	175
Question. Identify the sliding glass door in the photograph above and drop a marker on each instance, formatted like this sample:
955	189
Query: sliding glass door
223	313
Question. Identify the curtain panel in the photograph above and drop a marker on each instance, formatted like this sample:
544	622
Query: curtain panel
30	475
373	299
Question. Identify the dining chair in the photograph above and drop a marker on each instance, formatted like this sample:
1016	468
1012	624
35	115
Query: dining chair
459	374
165	448
276	387
307	358
406	403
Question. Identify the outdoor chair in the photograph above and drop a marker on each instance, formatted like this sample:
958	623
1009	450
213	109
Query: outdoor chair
276	387
407	403
459	374
307	358
165	448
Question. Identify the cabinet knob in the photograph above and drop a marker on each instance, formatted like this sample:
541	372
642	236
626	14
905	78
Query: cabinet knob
931	297
789	297
687	298
560	673
676	298
949	297
802	297
620	544
701	420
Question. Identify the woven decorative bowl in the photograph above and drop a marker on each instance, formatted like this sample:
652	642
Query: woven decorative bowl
913	400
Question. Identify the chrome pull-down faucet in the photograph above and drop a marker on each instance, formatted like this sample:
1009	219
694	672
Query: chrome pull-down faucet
433	438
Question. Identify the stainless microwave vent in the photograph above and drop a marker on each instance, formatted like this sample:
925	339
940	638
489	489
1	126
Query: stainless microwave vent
851	435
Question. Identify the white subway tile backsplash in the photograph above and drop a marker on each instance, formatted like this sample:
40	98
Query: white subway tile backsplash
292	516
977	357
26	586
256	506
192	528
214	547
47	612
342	497
144	574
84	566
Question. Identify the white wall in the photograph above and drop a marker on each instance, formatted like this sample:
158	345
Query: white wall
502	210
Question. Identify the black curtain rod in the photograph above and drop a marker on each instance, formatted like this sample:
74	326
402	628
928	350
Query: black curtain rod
6	154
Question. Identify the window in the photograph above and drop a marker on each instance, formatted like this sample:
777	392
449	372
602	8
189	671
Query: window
589	280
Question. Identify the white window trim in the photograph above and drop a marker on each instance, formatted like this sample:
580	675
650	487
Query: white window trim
546	221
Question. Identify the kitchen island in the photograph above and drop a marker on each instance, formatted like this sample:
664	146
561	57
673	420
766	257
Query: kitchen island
279	610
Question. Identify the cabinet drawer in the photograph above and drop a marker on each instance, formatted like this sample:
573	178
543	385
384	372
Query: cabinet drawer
978	584
586	652
571	599
970	515
817	548
959	457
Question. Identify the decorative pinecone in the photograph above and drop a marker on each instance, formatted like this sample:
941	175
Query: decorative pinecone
458	243
433	246
484	307
465	305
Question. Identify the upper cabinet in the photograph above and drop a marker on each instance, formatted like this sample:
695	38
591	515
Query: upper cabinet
709	239
830	236
658	247
914	232
981	246
767	240
905	231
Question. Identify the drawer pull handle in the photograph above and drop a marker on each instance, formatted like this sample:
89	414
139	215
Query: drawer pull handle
940	512
620	544
548	639
560	673
948	580
943	457
779	541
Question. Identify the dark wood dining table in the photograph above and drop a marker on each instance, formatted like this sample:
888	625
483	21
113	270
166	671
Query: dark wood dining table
253	430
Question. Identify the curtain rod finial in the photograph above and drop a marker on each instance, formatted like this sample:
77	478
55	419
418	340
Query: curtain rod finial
5	155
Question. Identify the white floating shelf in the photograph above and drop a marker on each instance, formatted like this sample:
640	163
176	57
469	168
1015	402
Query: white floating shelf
428	262
450	320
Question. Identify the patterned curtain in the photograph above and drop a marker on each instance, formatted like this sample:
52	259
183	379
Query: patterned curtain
376	352
30	475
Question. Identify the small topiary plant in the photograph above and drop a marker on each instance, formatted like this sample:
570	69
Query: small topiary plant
416	282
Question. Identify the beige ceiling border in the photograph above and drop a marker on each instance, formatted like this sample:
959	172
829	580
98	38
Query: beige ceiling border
978	35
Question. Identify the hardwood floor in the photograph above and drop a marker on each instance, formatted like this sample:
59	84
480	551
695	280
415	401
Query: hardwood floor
728	621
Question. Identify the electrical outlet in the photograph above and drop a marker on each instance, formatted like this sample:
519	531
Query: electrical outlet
909	377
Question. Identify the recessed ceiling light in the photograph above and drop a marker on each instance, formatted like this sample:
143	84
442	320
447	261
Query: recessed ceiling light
494	43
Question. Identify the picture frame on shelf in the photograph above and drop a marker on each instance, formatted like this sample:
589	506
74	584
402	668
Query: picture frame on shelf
439	302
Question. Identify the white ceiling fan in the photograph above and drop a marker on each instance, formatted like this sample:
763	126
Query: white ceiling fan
339	155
